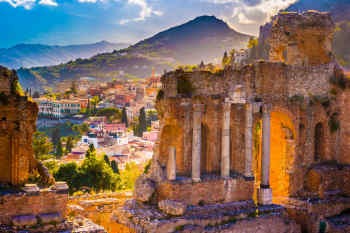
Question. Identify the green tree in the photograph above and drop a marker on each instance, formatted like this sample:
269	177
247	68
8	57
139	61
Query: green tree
94	101
106	158
225	59
114	166
41	145
125	118
69	173
74	88
110	113
69	144
59	150
142	126
56	137
96	174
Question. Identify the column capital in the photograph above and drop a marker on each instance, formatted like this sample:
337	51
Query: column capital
198	107
185	104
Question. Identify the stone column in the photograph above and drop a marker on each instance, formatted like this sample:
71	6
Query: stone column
248	134
225	141
186	139
265	193
196	142
171	167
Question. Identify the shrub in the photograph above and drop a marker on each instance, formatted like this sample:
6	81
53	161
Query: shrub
334	123
160	95
184	86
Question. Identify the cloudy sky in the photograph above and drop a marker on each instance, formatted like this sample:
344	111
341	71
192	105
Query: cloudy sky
84	21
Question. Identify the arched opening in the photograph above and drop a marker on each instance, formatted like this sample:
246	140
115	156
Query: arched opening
319	142
204	149
282	154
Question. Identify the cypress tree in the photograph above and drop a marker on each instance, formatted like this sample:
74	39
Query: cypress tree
59	149
106	158
125	118
142	122
115	167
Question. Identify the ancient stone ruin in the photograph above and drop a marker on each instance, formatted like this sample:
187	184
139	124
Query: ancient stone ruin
256	148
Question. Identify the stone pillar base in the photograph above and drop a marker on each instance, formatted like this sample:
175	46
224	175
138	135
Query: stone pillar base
265	196
196	180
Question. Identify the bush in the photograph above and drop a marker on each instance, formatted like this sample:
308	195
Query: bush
334	123
160	95
184	86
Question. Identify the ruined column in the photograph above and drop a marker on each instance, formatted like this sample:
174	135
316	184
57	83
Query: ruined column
248	134
265	193
196	142
171	167
187	134
225	141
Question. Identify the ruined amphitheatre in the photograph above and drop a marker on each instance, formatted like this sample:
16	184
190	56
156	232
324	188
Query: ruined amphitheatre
256	147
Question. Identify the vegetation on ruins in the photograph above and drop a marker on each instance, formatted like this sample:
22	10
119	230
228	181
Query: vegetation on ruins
184	86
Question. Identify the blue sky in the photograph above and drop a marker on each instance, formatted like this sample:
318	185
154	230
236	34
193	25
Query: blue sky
86	21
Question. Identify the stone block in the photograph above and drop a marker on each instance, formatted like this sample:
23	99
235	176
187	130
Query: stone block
265	196
144	189
24	220
50	218
172	207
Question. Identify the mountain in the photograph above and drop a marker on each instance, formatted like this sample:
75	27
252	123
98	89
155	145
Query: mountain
204	38
340	10
29	55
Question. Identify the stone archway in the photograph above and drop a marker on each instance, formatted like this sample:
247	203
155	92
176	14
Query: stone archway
282	154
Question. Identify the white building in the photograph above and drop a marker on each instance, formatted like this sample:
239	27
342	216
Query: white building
57	109
241	56
90	139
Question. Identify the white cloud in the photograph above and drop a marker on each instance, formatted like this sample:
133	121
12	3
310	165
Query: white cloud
248	15
27	4
254	11
48	2
146	11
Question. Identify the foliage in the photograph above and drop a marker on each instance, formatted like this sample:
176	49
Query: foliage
184	86
147	167
16	88
59	150
142	124
334	123
114	166
225	60
74	88
93	173
69	144
340	81
125	118
110	113
41	145
106	158
160	95
129	176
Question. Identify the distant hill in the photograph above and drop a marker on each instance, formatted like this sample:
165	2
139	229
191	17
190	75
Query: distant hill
30	55
204	38
340	10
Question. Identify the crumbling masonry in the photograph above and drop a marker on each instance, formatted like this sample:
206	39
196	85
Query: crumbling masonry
274	131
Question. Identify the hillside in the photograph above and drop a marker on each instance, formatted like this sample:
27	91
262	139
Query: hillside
340	10
30	55
204	38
